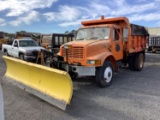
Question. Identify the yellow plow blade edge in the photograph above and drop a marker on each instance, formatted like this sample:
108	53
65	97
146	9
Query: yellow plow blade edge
52	85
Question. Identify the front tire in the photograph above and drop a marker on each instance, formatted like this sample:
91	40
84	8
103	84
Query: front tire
21	56
104	74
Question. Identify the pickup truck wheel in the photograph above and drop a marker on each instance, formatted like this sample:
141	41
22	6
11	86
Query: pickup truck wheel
139	62
21	56
6	53
104	74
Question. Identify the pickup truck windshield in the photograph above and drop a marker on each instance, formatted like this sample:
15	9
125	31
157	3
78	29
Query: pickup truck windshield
99	33
27	43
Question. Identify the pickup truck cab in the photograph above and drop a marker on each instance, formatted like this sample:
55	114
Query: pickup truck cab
25	49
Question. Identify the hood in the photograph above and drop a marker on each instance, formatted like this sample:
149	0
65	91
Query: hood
83	42
38	48
92	47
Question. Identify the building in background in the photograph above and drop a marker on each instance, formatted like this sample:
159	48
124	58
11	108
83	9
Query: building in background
154	31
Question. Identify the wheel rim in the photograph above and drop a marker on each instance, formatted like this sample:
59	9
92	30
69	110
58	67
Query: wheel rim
5	53
21	57
108	74
141	62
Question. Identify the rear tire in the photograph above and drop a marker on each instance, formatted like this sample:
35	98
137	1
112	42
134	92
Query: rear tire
131	62
5	53
139	62
104	74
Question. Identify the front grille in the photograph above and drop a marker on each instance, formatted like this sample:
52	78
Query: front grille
75	52
35	53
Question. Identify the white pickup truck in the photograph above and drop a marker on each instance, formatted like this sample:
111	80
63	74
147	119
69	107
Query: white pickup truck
25	49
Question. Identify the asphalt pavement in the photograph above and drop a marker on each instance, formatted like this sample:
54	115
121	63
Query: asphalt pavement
132	96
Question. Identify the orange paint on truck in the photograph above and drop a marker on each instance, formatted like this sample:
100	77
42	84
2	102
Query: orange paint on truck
103	41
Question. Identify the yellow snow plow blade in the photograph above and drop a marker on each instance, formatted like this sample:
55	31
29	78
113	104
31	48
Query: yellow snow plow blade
51	85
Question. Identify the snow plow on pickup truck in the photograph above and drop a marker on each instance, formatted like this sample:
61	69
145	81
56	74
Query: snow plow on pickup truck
99	48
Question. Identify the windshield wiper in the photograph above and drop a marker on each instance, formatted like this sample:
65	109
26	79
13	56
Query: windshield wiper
80	39
92	38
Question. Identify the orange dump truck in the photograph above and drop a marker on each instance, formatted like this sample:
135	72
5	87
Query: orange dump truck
101	46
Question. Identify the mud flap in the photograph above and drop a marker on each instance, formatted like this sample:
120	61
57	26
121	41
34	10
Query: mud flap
52	85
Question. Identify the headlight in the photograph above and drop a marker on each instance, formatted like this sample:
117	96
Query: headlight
67	46
91	62
28	53
94	62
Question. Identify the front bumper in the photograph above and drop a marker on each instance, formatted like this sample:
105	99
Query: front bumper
82	70
27	58
78	70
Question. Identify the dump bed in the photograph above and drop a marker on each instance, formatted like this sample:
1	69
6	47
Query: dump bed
153	43
55	40
154	40
137	38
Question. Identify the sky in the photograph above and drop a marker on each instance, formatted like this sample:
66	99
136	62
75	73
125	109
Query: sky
58	16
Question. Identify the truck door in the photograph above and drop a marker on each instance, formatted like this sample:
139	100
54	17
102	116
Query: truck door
117	44
15	49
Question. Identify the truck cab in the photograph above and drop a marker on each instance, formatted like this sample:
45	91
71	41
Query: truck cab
92	40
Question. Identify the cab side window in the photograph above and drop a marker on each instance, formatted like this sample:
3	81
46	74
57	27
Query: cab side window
116	34
125	34
15	44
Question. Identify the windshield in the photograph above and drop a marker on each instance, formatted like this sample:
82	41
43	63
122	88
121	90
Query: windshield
27	43
93	33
